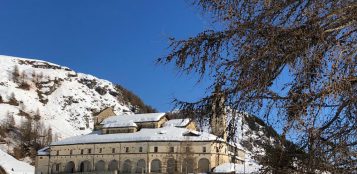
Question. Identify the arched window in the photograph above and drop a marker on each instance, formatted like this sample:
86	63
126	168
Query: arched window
56	168
70	167
188	165
100	166
140	166
156	166
127	166
171	166
113	165
85	166
203	165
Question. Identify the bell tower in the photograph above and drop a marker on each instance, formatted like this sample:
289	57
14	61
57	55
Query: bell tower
218	117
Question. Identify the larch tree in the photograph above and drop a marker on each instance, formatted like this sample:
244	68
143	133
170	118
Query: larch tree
16	74
9	121
310	44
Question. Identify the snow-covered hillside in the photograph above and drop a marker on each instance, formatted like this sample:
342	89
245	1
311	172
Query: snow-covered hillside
13	166
65	100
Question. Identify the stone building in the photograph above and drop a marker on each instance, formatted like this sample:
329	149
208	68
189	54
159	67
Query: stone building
139	143
105	113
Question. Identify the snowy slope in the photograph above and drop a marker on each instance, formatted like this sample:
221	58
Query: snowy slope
13	166
66	100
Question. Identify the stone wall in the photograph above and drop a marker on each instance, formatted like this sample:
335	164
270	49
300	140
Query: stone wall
107	112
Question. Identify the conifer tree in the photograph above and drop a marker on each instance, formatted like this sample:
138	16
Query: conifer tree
310	44
15	74
9	121
49	137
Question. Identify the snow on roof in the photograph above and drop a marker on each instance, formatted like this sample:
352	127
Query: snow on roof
43	151
136	118
177	122
145	134
120	124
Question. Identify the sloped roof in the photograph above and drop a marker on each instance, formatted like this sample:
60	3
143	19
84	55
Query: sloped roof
135	118
120	124
177	122
146	134
44	151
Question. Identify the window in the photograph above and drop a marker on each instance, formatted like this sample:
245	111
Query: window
204	149
187	149
57	153
126	149
113	150
100	150
140	149
57	167
70	152
217	149
172	149
156	149
89	151
81	151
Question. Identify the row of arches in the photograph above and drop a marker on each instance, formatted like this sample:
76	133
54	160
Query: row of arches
85	166
188	166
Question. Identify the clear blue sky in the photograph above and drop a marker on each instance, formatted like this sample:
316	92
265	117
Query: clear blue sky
112	39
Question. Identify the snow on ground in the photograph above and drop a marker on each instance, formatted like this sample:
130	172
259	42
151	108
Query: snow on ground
236	168
13	166
249	167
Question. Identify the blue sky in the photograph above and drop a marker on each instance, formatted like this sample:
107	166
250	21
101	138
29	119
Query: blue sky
114	40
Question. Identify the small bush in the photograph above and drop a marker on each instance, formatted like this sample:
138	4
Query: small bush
24	86
13	101
2	171
16	74
19	152
25	114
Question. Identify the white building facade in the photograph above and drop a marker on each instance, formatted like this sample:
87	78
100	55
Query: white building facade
141	143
